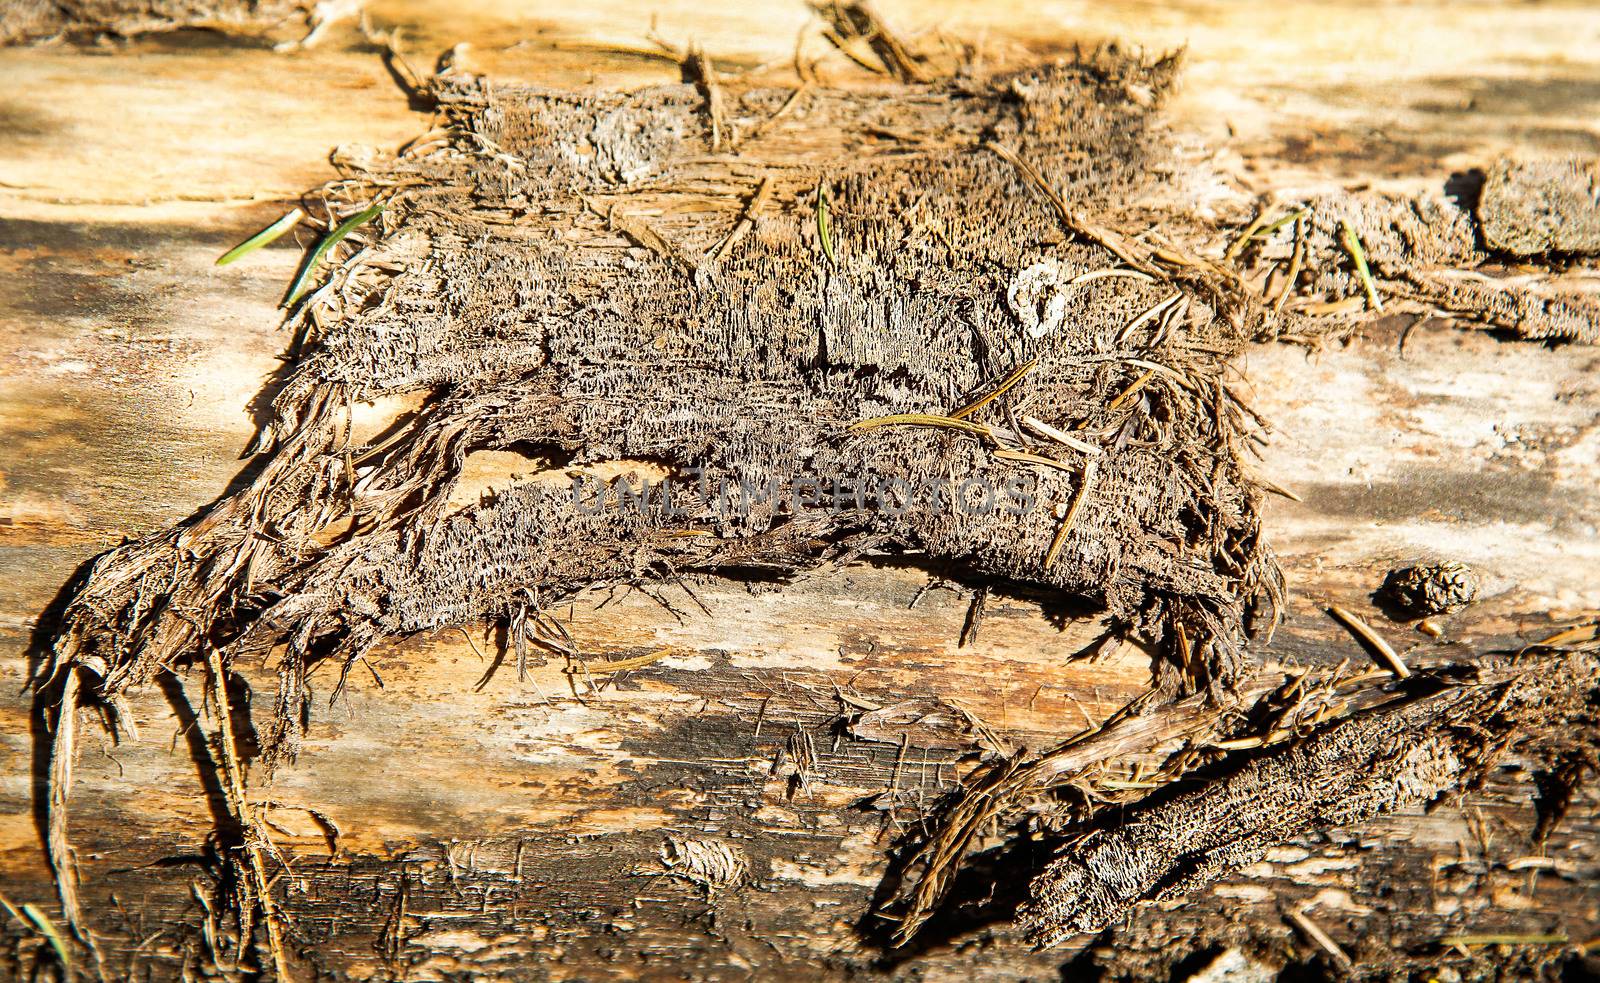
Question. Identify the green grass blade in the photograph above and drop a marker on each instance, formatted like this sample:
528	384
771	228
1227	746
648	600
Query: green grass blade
1352	243
265	237
1279	223
302	280
42	922
825	224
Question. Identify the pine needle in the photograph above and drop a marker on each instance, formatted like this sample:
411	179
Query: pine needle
1147	316
1352	243
1279	223
265	237
924	420
1295	261
1237	246
1044	429
47	928
1011	380
1453	941
302	280
1129	392
1386	655
1315	933
1083	278
1068	520
616	665
825	224
1260	228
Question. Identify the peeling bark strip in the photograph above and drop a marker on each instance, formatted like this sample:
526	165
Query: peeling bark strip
1437	739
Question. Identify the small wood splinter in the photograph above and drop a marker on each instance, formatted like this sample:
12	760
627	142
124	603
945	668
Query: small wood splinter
1044	429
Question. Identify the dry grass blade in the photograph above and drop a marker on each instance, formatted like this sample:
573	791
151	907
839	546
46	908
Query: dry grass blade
1358	255
1005	386
265	237
1386	655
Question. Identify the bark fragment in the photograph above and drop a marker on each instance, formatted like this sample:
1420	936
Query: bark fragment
1441	736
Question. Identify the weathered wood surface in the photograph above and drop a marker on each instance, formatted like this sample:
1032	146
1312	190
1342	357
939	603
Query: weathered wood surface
518	830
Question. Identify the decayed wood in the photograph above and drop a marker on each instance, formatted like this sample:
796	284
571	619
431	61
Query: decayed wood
491	829
1409	752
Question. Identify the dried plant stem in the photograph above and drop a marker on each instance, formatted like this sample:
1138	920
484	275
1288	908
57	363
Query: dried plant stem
234	784
62	757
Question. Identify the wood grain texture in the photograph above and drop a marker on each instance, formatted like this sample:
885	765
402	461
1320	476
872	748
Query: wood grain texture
524	836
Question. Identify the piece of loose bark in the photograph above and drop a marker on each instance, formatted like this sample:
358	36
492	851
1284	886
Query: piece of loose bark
1440	736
